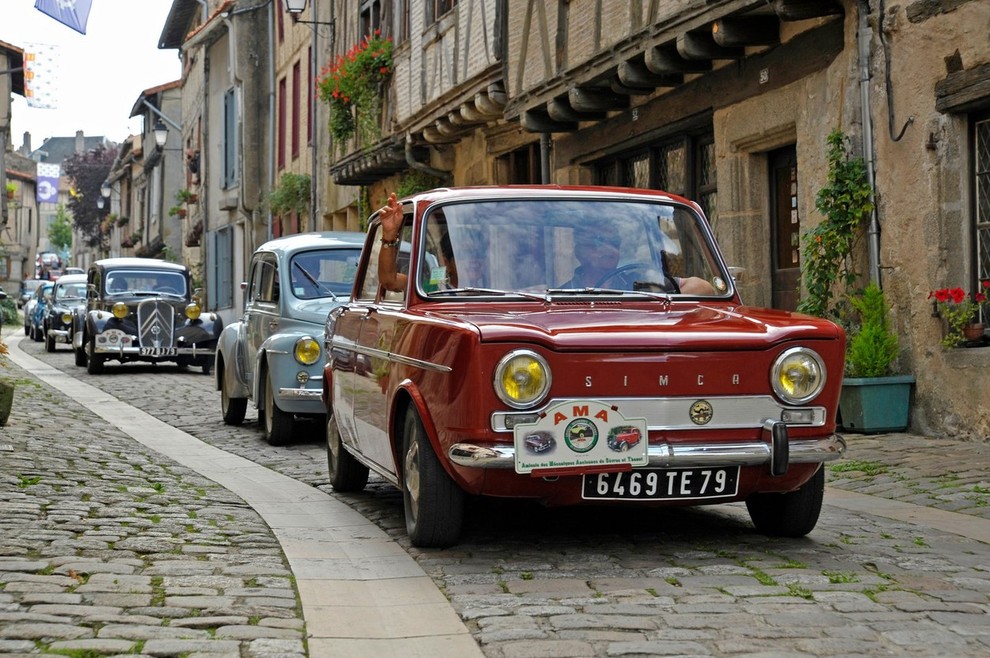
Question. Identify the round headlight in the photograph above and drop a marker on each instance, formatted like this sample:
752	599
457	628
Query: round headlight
522	379
193	311
120	310
67	318
307	351
798	375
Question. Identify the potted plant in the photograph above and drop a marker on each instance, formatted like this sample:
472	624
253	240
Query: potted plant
961	312
873	399
11	189
186	196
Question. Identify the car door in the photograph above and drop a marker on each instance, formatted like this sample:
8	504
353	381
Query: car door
260	310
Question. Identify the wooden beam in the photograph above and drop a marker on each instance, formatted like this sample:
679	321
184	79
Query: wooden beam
701	45
964	91
744	31
560	110
538	121
634	73
800	10
596	99
619	87
665	60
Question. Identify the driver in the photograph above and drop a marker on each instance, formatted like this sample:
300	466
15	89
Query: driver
597	251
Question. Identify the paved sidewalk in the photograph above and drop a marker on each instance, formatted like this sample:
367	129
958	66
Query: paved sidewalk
361	594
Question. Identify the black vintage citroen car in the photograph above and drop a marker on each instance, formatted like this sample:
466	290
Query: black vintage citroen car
142	309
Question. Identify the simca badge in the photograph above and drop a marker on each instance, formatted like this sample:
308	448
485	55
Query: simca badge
701	412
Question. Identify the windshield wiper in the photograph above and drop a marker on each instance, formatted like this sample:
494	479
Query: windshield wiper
659	296
311	279
488	291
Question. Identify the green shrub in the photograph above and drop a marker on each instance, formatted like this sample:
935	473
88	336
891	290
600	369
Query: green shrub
873	348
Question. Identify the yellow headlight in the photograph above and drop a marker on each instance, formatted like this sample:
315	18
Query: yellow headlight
193	311
307	351
798	375
120	310
67	318
522	379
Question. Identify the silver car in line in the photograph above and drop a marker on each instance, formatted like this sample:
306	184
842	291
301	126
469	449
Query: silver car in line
273	356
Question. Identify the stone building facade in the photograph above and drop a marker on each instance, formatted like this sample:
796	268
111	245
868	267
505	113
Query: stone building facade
729	103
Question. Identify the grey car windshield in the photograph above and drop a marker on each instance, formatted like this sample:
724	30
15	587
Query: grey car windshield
566	246
145	281
323	272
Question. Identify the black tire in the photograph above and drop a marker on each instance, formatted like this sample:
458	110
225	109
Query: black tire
80	356
793	514
233	409
276	424
207	368
49	342
346	473
27	328
434	504
94	361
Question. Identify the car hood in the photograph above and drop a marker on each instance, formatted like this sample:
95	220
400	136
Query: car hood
315	310
709	326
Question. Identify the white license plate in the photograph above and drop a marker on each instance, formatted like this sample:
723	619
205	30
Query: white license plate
158	351
662	484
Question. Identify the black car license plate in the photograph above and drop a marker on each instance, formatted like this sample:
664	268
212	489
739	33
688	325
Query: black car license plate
158	351
662	484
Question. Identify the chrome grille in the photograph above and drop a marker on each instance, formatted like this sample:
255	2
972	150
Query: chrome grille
156	324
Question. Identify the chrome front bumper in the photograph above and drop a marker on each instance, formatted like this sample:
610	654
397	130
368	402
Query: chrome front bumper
301	393
664	455
59	335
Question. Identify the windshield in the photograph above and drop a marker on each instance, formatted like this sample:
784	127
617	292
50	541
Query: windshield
132	282
562	247
71	290
324	272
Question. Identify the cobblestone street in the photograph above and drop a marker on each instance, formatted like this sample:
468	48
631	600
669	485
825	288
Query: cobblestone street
107	548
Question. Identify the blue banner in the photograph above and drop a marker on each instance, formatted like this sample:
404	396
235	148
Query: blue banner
73	13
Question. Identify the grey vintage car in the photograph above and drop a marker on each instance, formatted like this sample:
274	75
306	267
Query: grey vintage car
273	356
143	309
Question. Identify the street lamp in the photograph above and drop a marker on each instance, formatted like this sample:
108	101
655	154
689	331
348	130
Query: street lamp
295	6
105	189
161	133
100	202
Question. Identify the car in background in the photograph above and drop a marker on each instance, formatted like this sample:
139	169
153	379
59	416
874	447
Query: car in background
28	287
531	324
143	309
74	270
34	311
64	311
273	357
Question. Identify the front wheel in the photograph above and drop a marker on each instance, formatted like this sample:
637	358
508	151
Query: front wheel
792	514
80	356
277	423
346	473
94	361
49	342
434	504
233	409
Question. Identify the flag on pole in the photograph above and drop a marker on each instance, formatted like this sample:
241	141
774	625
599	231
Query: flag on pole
41	75
48	182
74	13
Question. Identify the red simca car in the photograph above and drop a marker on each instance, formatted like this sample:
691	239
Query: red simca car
581	315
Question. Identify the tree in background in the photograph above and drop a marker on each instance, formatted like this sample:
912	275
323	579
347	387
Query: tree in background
60	231
88	171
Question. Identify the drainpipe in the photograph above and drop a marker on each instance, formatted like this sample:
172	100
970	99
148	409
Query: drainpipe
445	176
863	36
545	158
271	117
